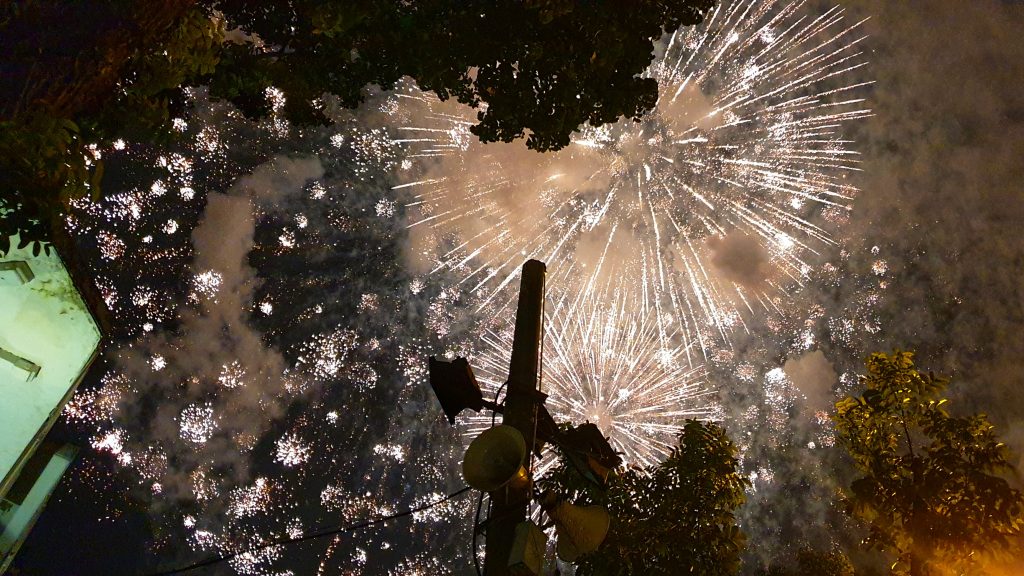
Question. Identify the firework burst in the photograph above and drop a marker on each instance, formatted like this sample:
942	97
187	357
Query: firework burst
745	149
716	202
605	362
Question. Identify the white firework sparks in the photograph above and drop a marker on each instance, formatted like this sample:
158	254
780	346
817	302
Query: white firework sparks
743	157
605	362
668	233
208	284
291	450
197	423
745	149
232	375
250	500
606	367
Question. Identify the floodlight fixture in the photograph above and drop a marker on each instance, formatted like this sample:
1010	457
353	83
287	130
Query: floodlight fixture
455	386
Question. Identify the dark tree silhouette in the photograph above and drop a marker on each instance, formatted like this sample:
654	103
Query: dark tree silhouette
533	68
930	490
675	518
810	562
67	86
539	68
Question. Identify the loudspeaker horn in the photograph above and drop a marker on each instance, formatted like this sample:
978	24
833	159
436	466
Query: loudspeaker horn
495	458
580	529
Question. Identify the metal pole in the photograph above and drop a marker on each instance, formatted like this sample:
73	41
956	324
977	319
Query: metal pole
509	505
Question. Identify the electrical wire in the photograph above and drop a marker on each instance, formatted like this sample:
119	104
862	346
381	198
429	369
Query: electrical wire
536	409
314	535
480	500
476	524
540	387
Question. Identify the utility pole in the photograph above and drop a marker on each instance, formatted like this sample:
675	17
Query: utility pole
509	504
493	456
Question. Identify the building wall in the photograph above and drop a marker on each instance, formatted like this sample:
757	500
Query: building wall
48	338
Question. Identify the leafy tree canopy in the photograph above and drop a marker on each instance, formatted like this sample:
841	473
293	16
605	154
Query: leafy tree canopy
536	67
930	489
676	518
70	88
810	562
533	68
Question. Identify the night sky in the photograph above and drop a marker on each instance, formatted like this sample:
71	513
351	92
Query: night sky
274	312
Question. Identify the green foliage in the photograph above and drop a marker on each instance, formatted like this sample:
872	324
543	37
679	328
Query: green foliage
810	562
39	146
154	77
535	68
930	489
676	518
44	164
45	159
833	563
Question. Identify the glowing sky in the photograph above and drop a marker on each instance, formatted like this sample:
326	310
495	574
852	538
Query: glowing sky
276	307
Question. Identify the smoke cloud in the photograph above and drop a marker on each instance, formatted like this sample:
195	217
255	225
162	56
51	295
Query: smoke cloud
943	187
740	258
813	376
218	383
935	227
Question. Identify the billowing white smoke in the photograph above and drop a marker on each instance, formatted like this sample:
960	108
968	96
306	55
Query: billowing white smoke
218	386
943	189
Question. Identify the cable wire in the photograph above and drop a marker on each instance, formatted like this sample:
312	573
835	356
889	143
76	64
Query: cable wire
476	525
314	535
480	500
540	387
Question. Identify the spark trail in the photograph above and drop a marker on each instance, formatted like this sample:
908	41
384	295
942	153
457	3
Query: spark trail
714	206
604	362
745	150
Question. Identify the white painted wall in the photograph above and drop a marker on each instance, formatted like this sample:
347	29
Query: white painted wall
46	322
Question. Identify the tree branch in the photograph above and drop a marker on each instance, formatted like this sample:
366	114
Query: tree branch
906	432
